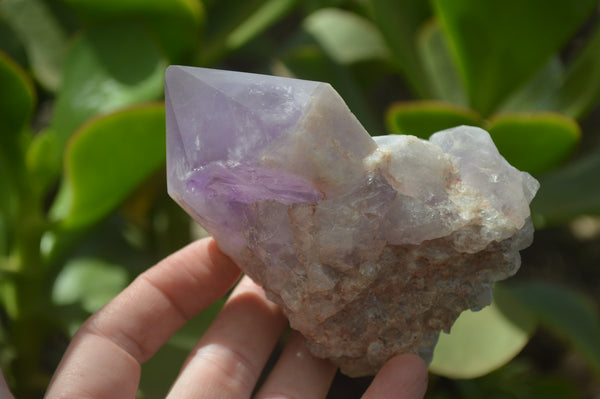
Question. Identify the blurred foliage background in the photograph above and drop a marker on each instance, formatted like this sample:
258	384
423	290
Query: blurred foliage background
83	204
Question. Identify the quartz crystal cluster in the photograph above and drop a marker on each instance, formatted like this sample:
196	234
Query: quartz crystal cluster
370	245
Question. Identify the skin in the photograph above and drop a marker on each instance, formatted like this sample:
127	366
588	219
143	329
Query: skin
105	356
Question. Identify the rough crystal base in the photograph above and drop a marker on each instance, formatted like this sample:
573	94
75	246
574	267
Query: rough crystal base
371	246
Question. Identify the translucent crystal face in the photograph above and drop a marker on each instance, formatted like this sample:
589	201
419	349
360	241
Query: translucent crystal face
371	246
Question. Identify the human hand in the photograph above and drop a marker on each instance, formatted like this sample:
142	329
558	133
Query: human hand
105	356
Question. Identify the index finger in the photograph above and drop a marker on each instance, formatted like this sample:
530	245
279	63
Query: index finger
104	358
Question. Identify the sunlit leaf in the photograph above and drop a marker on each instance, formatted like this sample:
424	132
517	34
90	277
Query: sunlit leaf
175	23
534	142
482	341
569	314
42	35
345	36
232	24
107	68
400	21
438	63
91	282
568	192
106	160
500	44
423	118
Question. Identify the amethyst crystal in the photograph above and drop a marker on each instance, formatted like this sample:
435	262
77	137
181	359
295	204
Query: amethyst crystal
370	245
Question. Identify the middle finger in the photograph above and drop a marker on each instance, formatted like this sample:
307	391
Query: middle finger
229	358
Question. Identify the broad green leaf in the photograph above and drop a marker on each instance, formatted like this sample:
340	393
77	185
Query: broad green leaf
400	21
423	118
569	314
17	98
91	282
483	341
500	44
580	90
42	35
232	24
438	63
346	37
537	93
570	191
159	372
106	160
534	142
309	62
175	23
107	68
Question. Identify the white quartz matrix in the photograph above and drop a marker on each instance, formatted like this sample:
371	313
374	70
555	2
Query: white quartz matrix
370	245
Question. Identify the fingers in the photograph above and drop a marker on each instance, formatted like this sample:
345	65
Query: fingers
402	377
229	358
103	360
298	374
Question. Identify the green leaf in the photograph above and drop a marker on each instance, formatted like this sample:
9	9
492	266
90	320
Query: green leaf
17	98
500	44
569	314
481	342
91	282
569	192
438	63
537	93
534	142
232	24
106	160
175	23
580	90
423	118
107	68
42	35
400	21
345	37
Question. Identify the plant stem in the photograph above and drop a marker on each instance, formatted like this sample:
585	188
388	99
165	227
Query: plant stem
27	328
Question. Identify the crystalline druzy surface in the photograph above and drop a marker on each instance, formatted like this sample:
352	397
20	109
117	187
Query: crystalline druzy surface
371	245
